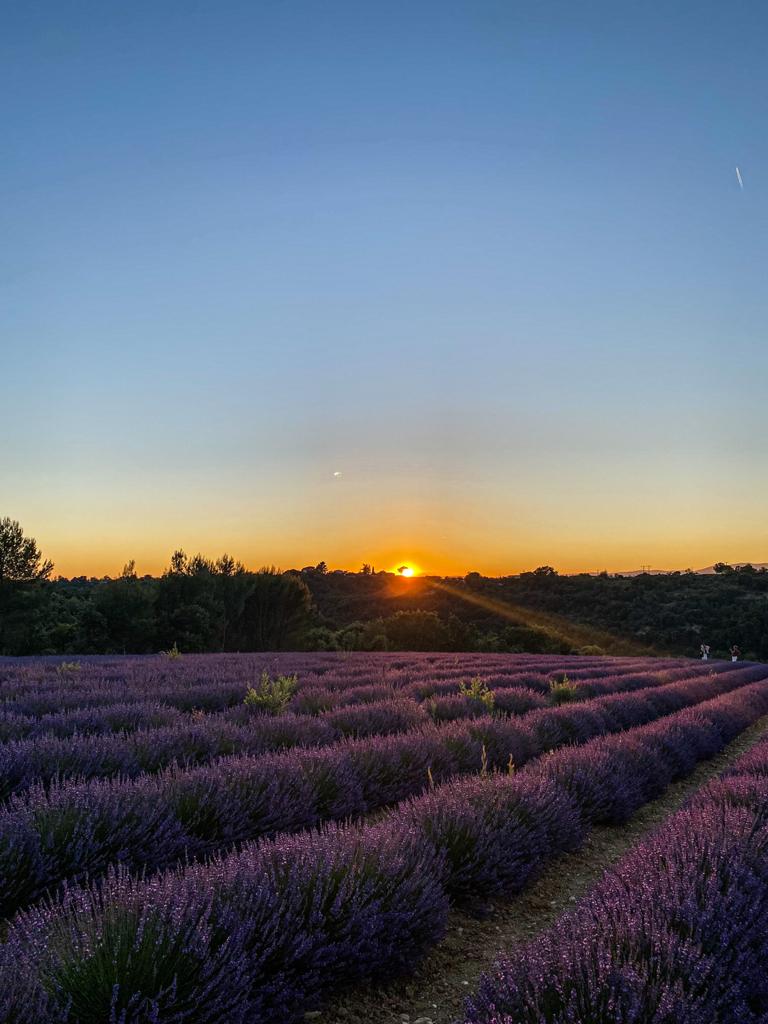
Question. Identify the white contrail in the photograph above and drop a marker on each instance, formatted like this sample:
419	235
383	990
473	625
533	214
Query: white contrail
738	178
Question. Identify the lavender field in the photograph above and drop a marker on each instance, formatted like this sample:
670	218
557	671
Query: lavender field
248	838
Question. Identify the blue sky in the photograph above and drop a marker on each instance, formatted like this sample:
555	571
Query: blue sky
490	261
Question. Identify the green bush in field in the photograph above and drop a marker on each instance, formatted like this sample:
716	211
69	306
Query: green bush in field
563	691
68	668
272	695
478	690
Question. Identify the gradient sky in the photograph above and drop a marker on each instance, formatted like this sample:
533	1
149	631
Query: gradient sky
488	260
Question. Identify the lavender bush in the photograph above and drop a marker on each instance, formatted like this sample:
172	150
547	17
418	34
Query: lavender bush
676	934
46	758
259	936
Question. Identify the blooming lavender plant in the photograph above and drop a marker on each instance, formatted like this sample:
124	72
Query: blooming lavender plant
190	741
259	936
678	932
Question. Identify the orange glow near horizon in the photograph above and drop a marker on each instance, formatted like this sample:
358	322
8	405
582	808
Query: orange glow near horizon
290	314
97	540
107	559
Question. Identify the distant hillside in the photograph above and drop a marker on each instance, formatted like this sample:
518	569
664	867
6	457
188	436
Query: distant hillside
707	571
710	569
670	613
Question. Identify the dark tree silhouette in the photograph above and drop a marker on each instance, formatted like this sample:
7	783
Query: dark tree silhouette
276	611
22	567
20	557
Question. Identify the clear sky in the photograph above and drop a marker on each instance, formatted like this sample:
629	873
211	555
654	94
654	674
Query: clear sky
489	261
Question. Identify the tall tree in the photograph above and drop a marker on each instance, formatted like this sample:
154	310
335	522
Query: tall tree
276	612
20	557
21	604
126	607
188	610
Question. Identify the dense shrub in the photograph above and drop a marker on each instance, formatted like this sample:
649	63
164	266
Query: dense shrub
272	695
563	691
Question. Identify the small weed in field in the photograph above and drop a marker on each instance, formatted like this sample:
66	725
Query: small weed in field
172	652
68	668
271	695
478	690
563	691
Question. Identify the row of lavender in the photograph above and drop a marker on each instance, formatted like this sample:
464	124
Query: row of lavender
446	704
214	682
264	933
30	715
346	667
79	829
61	752
677	933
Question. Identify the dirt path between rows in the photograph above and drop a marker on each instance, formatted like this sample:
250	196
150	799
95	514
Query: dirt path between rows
435	992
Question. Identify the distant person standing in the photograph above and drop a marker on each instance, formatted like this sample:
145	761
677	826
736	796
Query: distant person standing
735	653
705	652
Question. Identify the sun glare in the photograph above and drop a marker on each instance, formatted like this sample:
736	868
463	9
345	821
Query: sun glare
406	570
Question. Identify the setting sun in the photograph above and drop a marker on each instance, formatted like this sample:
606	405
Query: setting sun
406	570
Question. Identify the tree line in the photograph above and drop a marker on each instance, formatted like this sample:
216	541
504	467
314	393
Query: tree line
199	604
